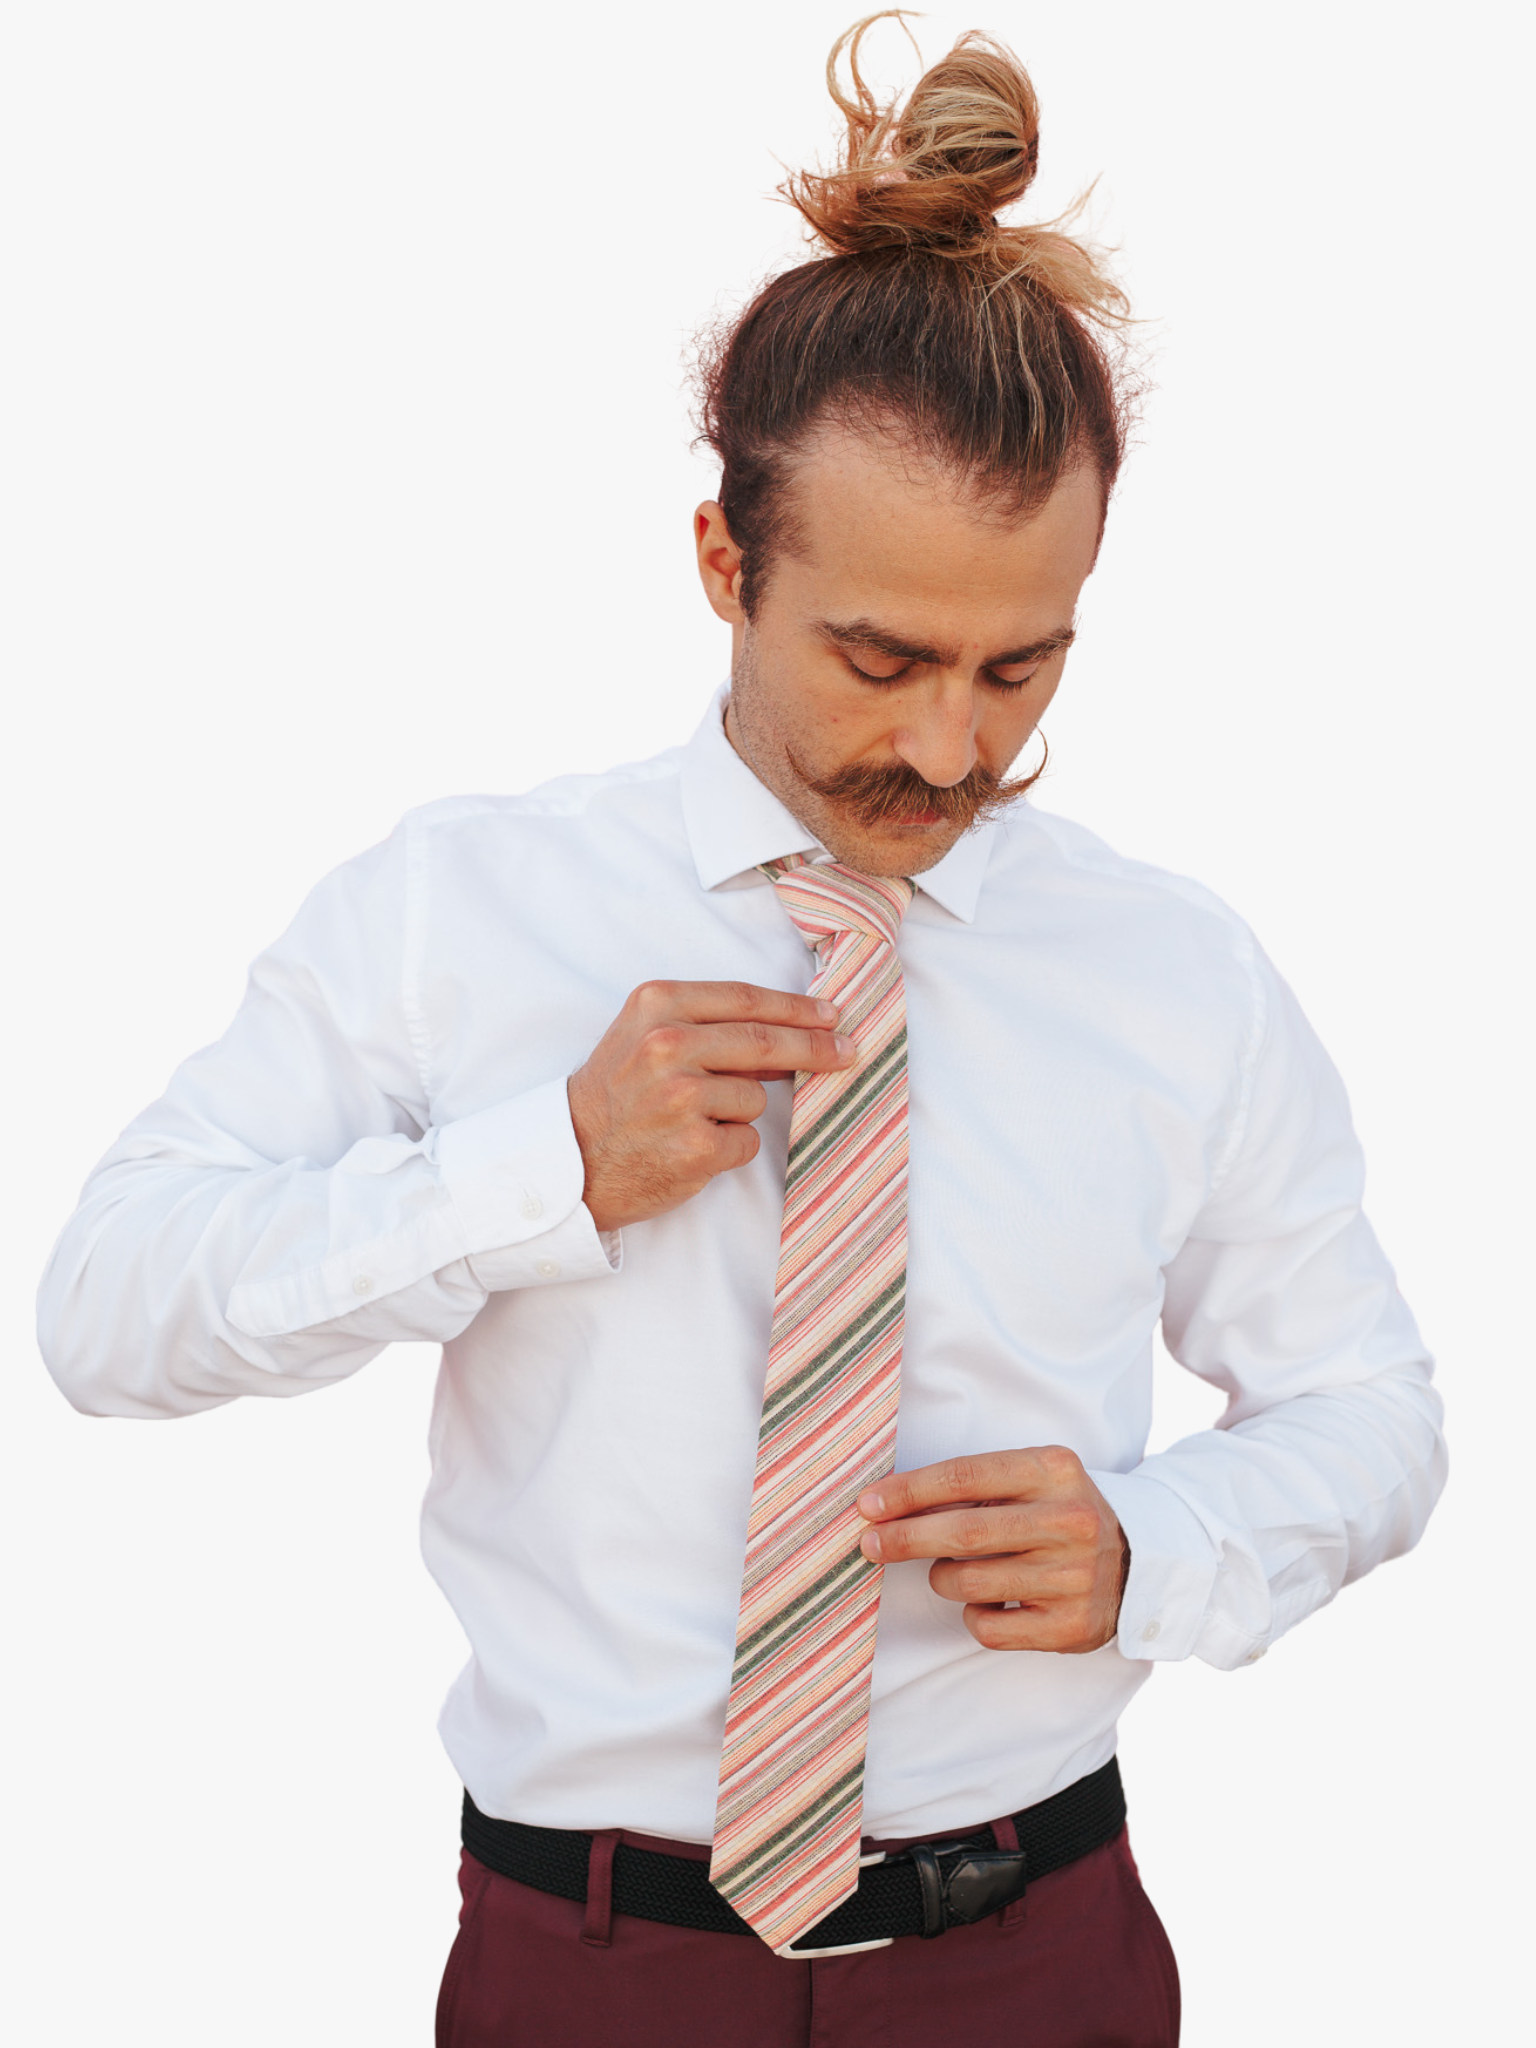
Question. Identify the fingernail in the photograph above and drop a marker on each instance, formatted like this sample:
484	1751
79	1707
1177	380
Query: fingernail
827	1012
844	1045
871	1505
869	1543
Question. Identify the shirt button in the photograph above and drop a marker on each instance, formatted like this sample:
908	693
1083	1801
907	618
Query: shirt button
1152	1631
548	1269
532	1207
1254	1655
362	1284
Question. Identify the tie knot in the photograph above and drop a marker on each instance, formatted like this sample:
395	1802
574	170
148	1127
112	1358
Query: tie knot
828	898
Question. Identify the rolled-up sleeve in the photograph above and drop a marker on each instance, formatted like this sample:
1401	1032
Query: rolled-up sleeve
1329	1456
289	1207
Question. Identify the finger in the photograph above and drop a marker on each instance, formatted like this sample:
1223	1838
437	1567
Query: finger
755	1048
730	1098
990	1475
976	1530
733	1145
725	1002
986	1581
1065	1629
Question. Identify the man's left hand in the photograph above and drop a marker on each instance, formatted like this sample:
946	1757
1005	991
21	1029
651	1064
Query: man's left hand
1025	1526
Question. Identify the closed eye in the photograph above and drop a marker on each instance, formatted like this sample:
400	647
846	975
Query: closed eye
895	672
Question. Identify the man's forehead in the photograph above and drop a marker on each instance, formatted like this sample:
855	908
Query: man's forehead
906	546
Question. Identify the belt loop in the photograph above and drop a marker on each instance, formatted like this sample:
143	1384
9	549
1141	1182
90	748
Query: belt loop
1006	1836
930	1886
597	1927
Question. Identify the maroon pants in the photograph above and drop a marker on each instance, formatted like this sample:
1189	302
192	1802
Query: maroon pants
1081	1961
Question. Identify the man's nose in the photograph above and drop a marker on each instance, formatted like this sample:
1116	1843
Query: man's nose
938	735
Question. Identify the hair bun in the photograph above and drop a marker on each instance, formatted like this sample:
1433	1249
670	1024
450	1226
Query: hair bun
933	174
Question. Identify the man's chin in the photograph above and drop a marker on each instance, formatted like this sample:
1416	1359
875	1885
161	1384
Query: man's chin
892	848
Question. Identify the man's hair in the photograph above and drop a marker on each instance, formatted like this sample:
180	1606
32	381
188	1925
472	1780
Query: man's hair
981	347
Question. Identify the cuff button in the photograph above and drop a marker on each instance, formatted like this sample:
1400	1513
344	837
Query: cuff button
1152	1631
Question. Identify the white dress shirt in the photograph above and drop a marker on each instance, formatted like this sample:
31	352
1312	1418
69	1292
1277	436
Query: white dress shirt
1118	1115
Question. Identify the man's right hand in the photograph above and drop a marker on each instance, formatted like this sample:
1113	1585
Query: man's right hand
669	1097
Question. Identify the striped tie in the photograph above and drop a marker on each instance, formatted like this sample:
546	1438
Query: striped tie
792	1772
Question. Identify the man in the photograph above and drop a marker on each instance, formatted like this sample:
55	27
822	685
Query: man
794	1142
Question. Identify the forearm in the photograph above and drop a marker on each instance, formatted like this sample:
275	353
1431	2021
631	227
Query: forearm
177	1286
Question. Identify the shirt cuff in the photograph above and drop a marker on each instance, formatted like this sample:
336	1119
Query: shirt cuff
574	1250
515	1173
1173	1567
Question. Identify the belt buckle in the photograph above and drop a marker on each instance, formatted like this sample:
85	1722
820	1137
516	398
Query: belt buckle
963	1882
847	1948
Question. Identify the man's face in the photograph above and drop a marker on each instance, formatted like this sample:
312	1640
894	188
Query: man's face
904	647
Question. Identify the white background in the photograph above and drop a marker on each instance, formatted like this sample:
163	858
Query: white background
345	464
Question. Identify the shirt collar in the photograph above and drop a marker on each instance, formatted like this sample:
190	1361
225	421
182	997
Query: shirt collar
735	823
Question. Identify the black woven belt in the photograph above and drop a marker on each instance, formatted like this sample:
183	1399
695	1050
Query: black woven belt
921	1890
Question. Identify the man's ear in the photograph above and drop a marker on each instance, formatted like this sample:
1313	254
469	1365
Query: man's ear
719	563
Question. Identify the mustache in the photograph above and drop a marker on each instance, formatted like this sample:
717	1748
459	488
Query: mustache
884	795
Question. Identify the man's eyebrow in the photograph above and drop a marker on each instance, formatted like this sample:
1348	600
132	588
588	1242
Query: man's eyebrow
865	633
1050	643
